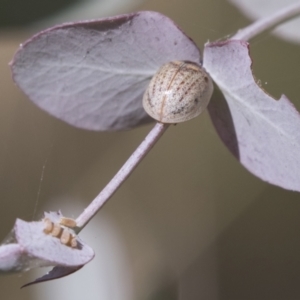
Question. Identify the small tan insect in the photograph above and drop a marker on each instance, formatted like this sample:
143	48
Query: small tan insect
178	92
60	231
65	237
68	222
73	242
48	226
56	230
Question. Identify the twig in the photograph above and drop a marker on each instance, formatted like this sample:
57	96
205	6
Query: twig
268	23
122	174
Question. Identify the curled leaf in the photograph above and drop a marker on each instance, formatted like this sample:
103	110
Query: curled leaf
32	245
263	133
93	74
55	273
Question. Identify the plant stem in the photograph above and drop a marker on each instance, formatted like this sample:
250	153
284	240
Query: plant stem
136	157
268	23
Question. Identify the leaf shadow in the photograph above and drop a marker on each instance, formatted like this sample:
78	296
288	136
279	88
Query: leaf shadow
220	115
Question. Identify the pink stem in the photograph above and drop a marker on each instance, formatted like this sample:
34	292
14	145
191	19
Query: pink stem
268	23
122	174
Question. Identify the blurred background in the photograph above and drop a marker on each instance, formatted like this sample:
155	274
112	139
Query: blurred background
190	223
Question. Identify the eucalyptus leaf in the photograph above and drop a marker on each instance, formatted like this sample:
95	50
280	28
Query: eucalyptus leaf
263	133
29	246
93	74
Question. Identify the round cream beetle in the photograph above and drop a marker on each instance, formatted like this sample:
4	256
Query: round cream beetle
178	92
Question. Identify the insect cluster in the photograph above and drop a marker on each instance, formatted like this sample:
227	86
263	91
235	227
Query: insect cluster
178	92
61	230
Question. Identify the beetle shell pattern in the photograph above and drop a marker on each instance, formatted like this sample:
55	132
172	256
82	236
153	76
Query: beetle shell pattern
178	92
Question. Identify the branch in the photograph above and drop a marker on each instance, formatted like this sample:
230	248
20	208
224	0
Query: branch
268	23
122	174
